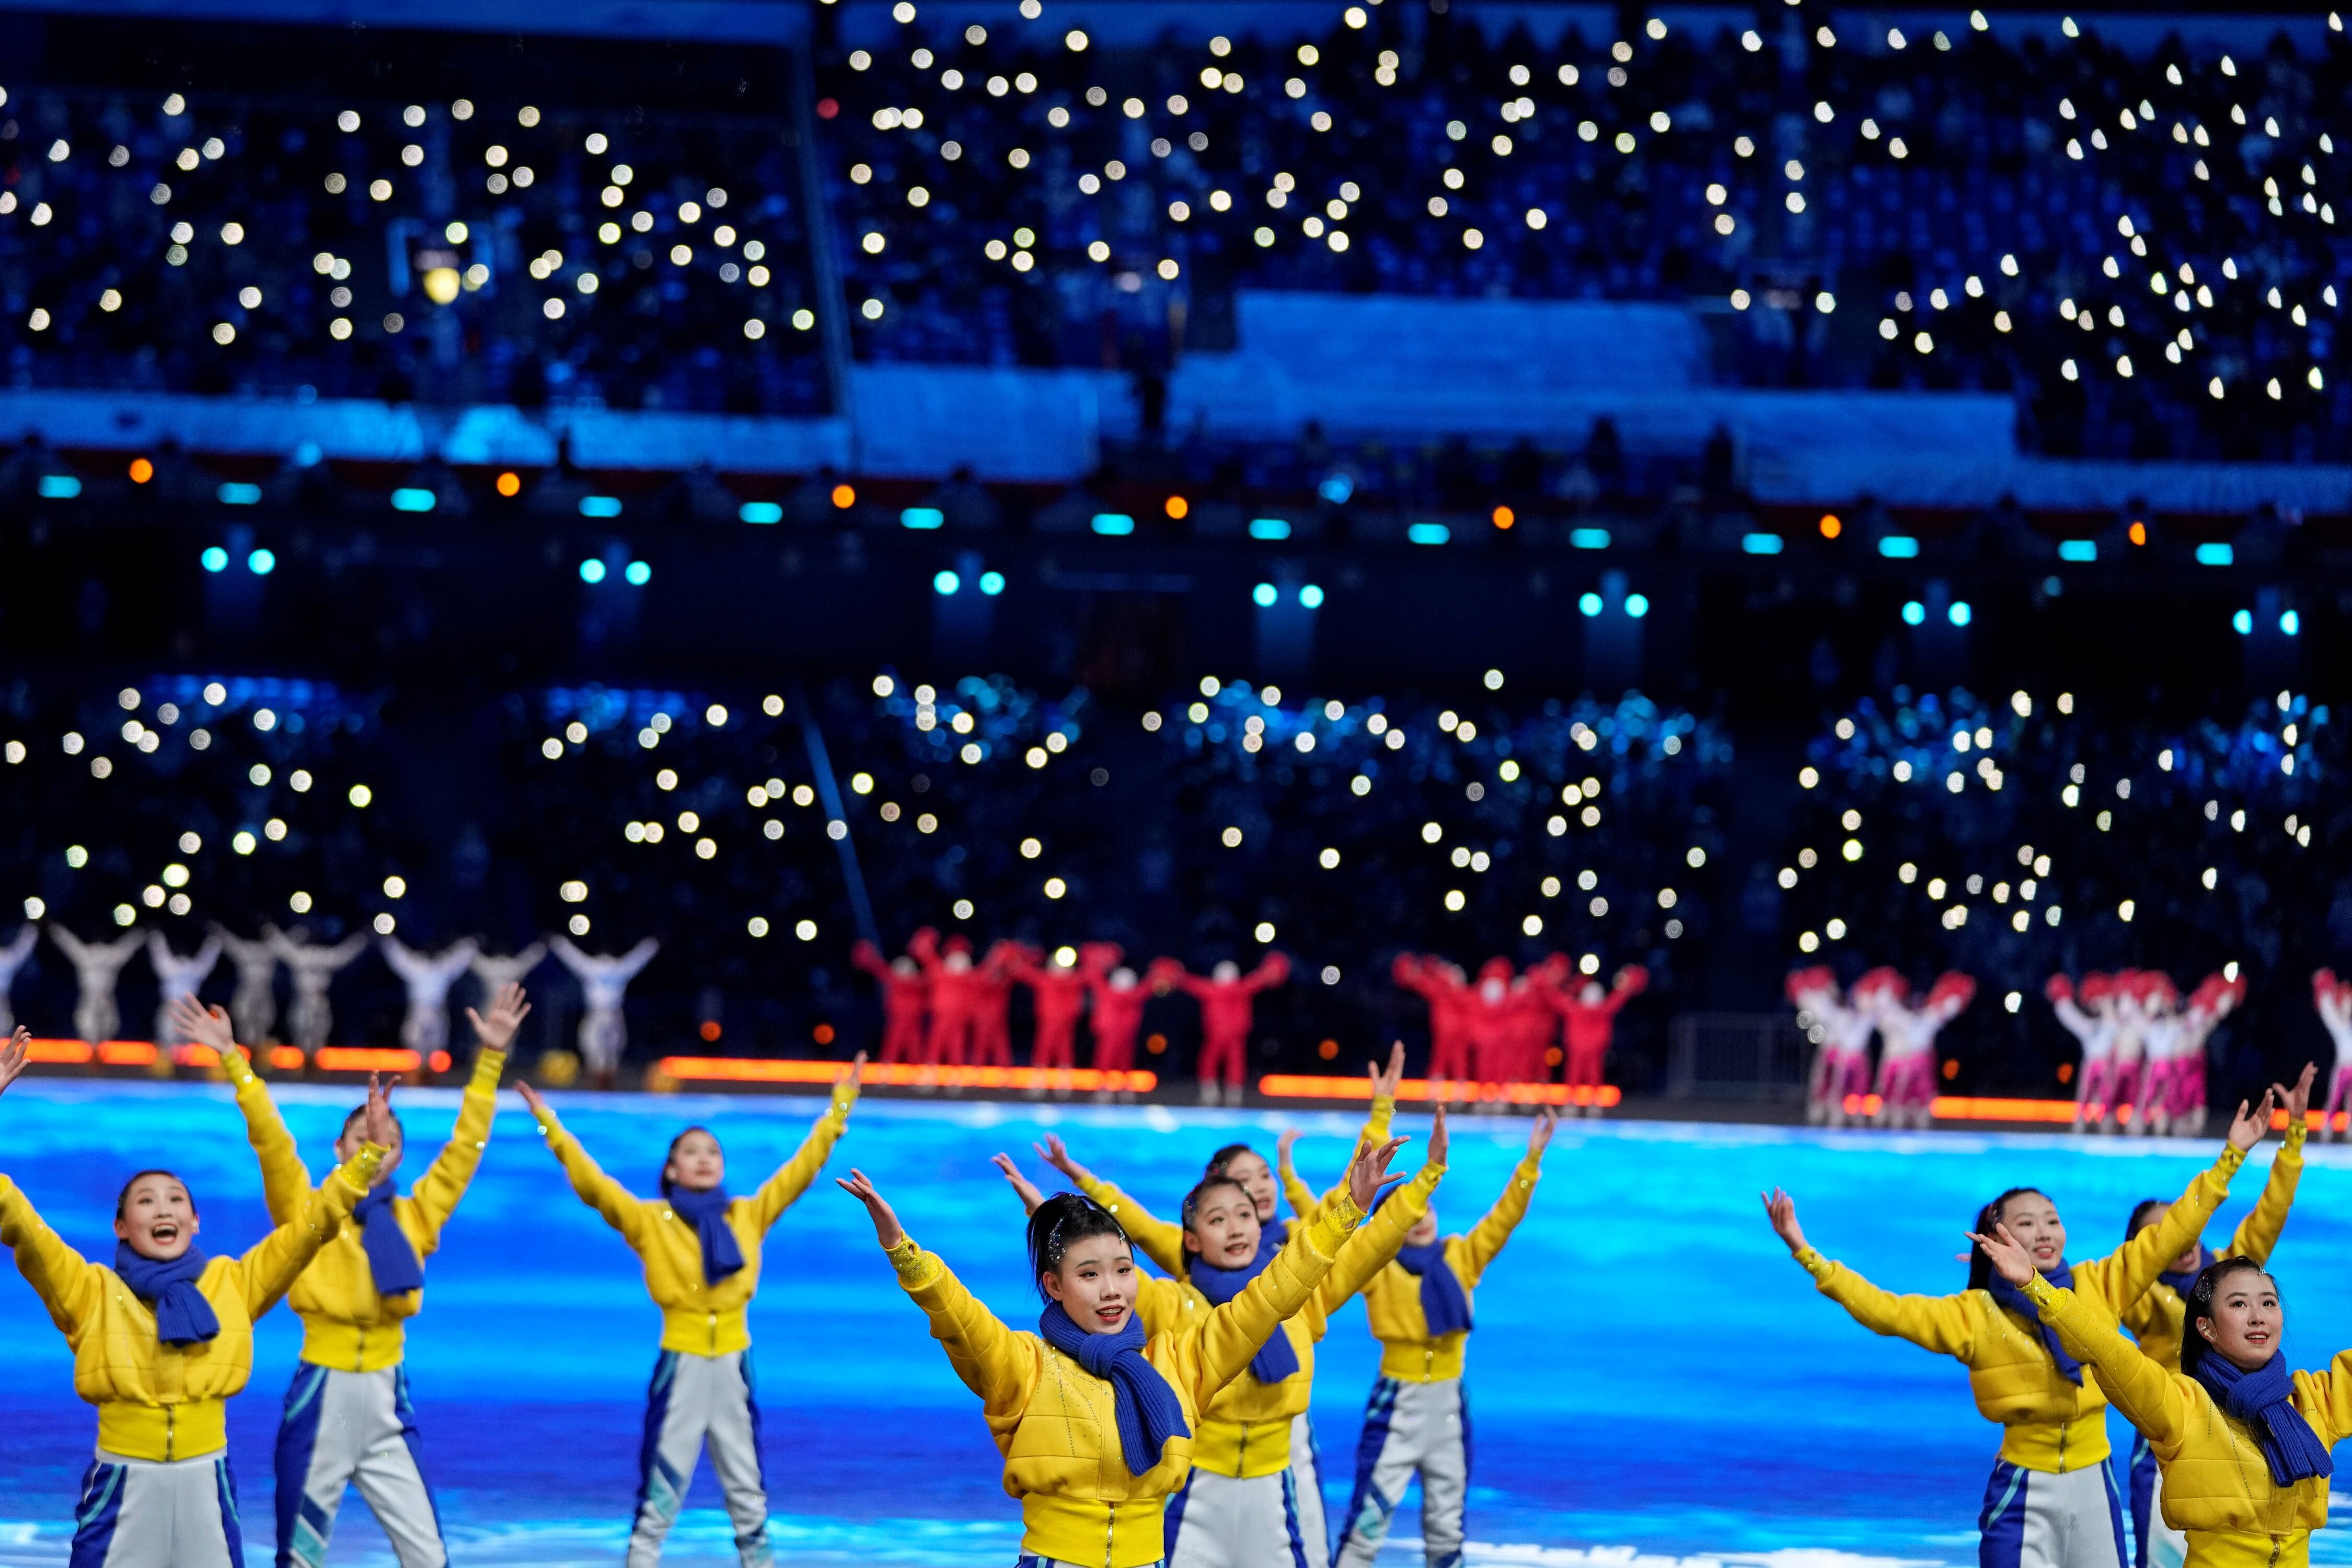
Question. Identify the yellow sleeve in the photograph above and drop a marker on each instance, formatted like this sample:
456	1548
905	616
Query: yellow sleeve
1478	1248
284	1180
1374	1247
2148	1395
435	1197
1161	1242
784	1189
622	1209
67	1282
269	1271
2258	1234
2330	1410
1232	1334
1303	1201
1002	1367
1941	1323
2123	1276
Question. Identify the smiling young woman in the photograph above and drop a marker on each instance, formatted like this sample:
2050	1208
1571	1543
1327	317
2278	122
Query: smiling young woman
2052	1500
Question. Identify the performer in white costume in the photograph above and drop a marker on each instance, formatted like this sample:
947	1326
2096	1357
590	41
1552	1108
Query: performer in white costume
603	981
424	1029
96	966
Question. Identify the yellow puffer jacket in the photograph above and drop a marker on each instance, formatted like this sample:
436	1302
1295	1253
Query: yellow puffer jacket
1056	1424
1409	1352
2218	1488
347	1323
1245	1431
166	1401
697	1318
2047	1422
2157	1318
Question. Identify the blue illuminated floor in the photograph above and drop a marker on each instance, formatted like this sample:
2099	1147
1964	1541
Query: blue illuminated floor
1651	1376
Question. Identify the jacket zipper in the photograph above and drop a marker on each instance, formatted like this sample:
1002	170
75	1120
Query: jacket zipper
1110	1533
359	1356
171	1433
714	1333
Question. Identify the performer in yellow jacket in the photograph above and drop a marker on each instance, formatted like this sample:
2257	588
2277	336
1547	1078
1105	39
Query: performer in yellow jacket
349	1418
1165	1245
2242	1440
162	1341
701	1254
2051	1501
2157	1318
1418	1418
1094	1417
1245	1502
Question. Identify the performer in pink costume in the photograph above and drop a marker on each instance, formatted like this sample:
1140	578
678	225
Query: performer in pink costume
2334	999
1841	1059
1906	1067
2214	999
2087	1012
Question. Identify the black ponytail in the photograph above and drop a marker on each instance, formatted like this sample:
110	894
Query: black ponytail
1980	1265
1060	1223
2193	1346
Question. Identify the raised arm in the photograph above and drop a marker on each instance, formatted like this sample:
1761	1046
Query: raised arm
1232	1333
269	1269
436	1194
868	957
623	1210
1270	974
2152	1398
781	1191
1160	1242
1000	1365
2258	1234
284	1180
402	961
2123	1276
1384	1081
1376	1241
1938	1323
67	1284
1632	981
1470	1255
628	966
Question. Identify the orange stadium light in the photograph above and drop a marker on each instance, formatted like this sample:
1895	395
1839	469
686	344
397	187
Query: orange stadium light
1301	1086
366	1059
61	1053
126	1053
286	1058
900	1075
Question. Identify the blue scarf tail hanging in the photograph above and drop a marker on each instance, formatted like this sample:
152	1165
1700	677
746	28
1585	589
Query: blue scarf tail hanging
390	1258
2005	1294
1148	1412
722	1255
183	1316
1277	1358
2263	1400
1442	1300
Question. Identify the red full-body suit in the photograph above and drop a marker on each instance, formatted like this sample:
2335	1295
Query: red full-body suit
1440	984
1059	993
1591	1021
959	994
1226	1006
1498	1023
906	998
992	1023
1118	1002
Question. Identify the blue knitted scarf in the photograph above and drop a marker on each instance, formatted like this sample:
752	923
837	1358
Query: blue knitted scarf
1277	1358
390	1258
2262	1399
721	1254
2005	1294
1442	1300
1148	1409
2185	1280
183	1316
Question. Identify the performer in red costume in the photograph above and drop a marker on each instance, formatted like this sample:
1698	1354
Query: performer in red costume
1059	993
991	1022
1590	1016
906	998
958	995
1496	1016
1227	999
1440	985
1119	999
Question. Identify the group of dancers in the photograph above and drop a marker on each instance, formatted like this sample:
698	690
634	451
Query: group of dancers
2230	1468
1149	1419
1511	1028
2143	1067
427	977
1841	1023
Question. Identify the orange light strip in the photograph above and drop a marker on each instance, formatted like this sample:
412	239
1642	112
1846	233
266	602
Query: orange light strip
64	1052
286	1058
1296	1086
126	1053
366	1059
901	1075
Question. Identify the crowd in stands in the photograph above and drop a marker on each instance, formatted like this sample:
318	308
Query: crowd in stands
2115	235
746	833
2021	838
485	245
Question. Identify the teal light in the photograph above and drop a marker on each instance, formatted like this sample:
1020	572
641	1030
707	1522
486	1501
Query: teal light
1113	524
1268	528
238	495
922	518
761	511
1428	533
1760	544
599	506
1899	547
413	500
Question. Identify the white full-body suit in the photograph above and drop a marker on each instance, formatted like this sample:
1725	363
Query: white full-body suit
493	972
314	969
96	966
176	977
603	981
12	959
253	1007
424	1027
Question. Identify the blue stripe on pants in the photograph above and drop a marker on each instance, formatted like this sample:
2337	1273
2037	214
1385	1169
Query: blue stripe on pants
1171	1518
404	1409
95	1514
2114	1513
298	1435
2002	1525
659	1485
225	1484
1289	1518
2143	1497
1379	1411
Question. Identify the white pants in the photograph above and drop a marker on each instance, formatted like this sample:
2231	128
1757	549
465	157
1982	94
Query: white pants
1306	1479
1411	1427
1219	1521
2037	1519
604	1035
347	1429
696	1401
139	1513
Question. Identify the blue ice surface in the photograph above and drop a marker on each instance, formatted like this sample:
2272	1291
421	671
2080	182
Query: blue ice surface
1649	1375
